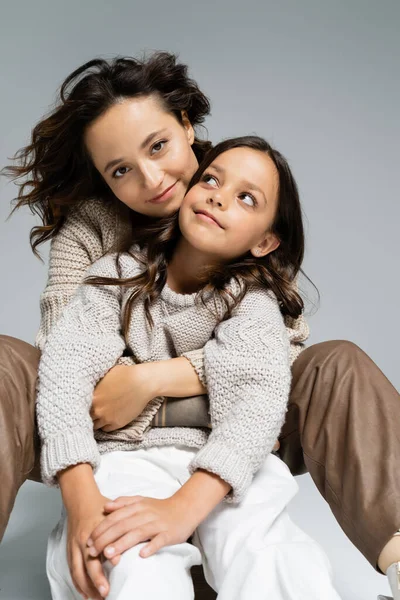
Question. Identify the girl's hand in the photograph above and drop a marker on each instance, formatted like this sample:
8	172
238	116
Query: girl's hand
122	395
135	519
87	572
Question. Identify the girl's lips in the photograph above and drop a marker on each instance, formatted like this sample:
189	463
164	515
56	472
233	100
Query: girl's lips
166	195
208	217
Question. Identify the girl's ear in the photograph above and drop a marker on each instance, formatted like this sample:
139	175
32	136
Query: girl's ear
188	126
267	245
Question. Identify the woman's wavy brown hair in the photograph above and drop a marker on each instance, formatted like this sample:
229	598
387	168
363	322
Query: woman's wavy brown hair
55	168
277	271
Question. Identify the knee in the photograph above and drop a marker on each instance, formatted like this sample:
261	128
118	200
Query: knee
17	354
335	354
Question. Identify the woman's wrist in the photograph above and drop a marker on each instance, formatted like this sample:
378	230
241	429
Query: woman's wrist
174	377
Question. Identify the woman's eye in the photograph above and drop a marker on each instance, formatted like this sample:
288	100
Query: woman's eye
210	180
248	199
158	146
120	172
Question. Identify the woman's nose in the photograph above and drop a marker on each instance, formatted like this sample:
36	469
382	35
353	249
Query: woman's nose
152	177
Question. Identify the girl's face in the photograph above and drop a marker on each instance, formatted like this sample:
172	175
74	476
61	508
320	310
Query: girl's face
144	155
230	211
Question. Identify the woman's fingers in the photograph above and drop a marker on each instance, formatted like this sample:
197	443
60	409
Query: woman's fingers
97	424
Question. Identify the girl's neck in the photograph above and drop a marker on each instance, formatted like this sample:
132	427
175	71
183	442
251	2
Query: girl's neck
185	273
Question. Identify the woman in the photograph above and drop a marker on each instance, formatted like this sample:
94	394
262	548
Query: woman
219	275
337	391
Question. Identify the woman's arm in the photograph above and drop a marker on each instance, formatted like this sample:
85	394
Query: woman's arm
85	343
88	232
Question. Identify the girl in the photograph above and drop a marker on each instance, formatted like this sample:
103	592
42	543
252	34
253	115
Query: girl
151	109
220	283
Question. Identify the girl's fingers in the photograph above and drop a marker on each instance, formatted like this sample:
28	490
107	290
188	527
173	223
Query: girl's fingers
113	534
95	571
115	560
117	517
131	539
159	541
122	501
80	578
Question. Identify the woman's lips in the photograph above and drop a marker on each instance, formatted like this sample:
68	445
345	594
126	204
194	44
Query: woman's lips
166	195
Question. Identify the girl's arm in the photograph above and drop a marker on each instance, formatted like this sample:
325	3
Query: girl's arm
248	374
248	378
84	344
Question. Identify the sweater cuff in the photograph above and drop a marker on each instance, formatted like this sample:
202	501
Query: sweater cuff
65	450
196	359
234	468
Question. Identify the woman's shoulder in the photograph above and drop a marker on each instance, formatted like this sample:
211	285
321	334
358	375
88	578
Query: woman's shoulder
116	265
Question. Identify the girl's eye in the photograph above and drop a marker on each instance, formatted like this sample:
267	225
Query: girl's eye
210	179
248	199
158	146
120	172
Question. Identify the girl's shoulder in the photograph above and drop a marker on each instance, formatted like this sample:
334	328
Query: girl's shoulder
257	302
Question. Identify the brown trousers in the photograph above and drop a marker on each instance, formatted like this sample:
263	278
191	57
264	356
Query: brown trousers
341	427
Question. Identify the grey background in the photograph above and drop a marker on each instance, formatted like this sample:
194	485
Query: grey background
321	80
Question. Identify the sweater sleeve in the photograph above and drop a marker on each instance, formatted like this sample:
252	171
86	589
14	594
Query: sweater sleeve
84	344
247	368
87	233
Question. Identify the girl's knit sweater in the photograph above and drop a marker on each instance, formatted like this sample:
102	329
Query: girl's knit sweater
246	368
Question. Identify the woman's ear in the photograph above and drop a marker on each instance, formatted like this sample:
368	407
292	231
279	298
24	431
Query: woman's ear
188	126
267	245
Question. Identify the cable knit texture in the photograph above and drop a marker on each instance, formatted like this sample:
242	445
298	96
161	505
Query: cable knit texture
246	362
90	231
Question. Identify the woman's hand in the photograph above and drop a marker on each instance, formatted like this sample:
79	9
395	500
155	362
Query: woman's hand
122	395
135	519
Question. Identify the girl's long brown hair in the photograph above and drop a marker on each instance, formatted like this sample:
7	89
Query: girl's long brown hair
54	171
277	271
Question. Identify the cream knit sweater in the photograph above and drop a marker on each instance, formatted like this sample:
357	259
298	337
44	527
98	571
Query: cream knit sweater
89	232
247	369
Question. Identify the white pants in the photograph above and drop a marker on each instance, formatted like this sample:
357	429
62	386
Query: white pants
250	551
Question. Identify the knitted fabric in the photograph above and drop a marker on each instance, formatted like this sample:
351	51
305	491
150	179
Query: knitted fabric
246	366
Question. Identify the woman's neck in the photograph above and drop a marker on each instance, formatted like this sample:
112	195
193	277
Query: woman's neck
185	273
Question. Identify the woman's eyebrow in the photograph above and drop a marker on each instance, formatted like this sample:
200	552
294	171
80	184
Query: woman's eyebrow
148	140
113	163
151	137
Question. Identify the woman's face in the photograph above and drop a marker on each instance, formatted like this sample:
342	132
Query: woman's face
144	154
230	211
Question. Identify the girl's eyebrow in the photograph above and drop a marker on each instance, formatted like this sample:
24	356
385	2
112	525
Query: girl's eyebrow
148	140
244	182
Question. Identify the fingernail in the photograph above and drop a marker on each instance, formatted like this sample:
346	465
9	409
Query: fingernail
109	551
102	590
92	551
90	542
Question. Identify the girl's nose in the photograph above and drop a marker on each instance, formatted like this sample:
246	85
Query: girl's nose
216	200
